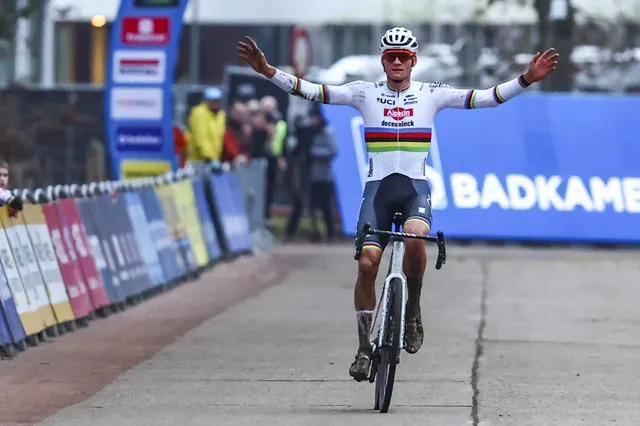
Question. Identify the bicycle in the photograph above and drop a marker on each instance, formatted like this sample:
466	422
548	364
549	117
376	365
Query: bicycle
388	343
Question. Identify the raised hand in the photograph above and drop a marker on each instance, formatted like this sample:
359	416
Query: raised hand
541	65
249	52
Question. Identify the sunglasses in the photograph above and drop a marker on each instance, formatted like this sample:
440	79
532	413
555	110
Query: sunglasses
402	55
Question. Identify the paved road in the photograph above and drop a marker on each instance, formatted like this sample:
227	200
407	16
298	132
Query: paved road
513	336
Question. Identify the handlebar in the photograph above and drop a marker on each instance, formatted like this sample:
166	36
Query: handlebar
438	239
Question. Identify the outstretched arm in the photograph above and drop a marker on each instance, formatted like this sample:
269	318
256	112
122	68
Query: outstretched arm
540	66
337	95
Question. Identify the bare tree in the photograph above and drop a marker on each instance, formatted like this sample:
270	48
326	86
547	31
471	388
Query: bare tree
559	34
10	15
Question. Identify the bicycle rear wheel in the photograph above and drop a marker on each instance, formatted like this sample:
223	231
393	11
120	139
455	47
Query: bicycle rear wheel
390	350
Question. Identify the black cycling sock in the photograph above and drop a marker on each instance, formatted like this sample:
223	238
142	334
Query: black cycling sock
414	286
365	318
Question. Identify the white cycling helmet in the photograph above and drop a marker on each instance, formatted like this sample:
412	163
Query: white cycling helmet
399	38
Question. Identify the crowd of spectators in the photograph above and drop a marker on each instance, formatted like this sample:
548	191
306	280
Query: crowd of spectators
256	129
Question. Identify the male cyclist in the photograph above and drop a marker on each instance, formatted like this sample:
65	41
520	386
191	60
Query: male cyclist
398	116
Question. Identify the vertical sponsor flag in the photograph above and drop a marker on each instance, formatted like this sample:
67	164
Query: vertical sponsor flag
138	88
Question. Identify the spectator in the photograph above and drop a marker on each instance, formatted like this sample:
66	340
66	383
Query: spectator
276	135
180	144
207	123
309	171
322	153
13	202
237	135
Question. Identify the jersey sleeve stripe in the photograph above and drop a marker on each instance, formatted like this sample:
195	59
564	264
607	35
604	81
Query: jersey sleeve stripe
468	103
496	95
325	94
296	86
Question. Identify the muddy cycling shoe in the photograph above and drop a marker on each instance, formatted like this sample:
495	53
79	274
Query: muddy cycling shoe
413	334
359	369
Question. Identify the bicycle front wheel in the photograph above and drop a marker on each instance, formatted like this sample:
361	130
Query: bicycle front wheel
390	351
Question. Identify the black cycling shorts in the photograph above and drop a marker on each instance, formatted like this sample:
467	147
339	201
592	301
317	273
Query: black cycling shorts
395	193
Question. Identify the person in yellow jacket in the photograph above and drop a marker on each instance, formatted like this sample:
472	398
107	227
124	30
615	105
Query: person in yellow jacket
207	124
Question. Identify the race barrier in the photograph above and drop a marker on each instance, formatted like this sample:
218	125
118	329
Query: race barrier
254	188
78	253
532	169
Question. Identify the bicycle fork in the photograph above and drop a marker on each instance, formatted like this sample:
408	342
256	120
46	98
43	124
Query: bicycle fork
397	256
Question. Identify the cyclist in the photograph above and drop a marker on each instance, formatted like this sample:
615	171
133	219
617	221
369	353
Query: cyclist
398	115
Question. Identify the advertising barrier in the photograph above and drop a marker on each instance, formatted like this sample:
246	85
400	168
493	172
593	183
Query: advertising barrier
177	229
39	239
27	295
530	169
70	260
168	255
10	318
184	199
32	279
73	280
254	187
73	232
139	280
230	205
143	239
99	248
206	221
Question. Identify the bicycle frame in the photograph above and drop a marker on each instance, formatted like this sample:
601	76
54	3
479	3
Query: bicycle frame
395	271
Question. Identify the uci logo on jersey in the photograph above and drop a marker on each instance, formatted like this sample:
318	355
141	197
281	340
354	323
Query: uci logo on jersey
398	113
386	101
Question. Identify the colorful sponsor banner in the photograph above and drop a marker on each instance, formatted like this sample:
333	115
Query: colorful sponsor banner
32	279
188	214
177	229
73	231
99	247
142	233
206	220
139	66
38	234
170	258
73	279
9	310
128	244
25	295
230	205
138	89
527	170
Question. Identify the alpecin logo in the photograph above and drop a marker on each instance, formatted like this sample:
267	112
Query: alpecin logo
398	113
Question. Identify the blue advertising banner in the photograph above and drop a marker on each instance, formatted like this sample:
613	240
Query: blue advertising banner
138	87
11	329
93	237
104	232
142	232
530	169
232	218
130	245
165	245
113	229
206	221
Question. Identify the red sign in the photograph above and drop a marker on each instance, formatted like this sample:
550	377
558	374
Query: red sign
75	236
398	113
300	51
76	289
146	31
